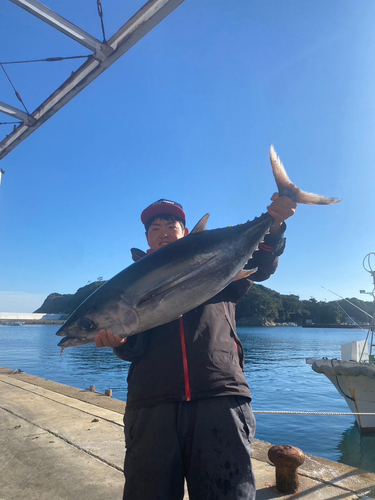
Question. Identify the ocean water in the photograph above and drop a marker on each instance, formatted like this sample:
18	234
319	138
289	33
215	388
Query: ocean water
275	367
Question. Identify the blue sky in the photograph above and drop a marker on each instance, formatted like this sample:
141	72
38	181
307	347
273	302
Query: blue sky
189	114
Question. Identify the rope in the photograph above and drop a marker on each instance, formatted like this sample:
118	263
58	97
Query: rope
346	300
100	12
47	59
310	413
351	319
339	386
15	91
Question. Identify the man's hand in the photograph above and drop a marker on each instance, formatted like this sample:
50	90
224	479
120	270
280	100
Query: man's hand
280	209
105	338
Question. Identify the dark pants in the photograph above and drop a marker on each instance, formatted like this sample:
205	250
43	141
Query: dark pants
208	442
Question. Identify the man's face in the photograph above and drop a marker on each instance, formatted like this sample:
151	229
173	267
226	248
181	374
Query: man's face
162	232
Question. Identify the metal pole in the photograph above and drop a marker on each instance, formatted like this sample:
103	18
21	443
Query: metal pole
56	21
128	35
16	113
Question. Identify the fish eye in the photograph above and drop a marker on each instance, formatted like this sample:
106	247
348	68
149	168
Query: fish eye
86	324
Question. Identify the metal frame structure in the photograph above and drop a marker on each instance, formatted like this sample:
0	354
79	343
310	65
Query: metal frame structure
104	55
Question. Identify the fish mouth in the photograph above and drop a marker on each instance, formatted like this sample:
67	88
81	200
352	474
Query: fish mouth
84	324
121	319
74	341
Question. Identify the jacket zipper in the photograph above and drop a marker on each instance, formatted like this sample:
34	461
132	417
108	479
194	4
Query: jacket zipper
184	360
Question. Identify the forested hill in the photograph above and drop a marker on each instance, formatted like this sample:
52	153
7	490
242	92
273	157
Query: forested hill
260	306
57	303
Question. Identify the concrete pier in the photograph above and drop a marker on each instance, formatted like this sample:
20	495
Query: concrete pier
32	318
59	442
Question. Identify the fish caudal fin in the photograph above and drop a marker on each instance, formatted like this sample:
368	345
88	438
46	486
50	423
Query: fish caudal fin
287	188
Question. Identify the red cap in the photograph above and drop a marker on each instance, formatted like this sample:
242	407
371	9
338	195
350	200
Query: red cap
163	207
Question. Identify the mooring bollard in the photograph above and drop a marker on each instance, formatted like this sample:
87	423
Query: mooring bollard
108	392
92	388
286	459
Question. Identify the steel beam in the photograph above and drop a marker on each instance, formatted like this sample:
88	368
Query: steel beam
56	21
128	35
16	113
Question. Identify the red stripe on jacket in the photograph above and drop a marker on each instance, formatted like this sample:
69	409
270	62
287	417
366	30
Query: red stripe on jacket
184	360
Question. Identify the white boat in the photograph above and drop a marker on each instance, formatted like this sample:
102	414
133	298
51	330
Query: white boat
354	378
354	374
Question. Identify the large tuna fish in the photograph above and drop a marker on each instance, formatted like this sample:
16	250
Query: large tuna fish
167	283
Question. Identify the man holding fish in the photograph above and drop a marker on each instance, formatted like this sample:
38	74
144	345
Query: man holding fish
172	315
188	412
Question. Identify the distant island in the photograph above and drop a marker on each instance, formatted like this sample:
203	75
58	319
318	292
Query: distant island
261	306
57	303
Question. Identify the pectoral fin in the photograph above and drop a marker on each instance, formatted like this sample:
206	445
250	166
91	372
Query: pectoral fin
245	273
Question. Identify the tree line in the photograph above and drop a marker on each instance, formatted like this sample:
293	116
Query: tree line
262	305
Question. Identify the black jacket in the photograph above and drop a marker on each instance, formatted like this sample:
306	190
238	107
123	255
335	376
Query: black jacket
199	355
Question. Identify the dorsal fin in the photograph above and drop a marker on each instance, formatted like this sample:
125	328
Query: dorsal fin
137	254
201	226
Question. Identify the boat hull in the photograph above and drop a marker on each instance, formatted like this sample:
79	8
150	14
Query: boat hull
355	382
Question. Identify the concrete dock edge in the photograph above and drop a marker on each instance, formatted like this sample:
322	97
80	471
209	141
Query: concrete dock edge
60	442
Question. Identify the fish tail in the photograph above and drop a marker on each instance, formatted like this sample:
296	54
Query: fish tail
287	188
